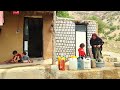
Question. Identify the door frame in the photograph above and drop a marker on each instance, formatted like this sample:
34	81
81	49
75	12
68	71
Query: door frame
86	38
42	32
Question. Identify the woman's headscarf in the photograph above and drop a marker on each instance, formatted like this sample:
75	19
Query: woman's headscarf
94	34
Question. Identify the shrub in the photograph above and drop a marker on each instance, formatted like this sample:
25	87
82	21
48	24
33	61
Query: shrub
112	28
118	27
101	24
118	39
64	14
110	38
106	33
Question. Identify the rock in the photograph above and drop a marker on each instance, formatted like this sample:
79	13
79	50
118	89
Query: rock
117	64
110	59
115	59
111	56
107	59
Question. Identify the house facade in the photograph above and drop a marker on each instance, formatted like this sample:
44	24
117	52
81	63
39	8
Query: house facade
26	31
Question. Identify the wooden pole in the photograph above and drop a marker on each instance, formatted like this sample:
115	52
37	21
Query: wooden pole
53	40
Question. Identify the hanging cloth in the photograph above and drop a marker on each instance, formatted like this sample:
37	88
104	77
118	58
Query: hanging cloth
16	12
1	18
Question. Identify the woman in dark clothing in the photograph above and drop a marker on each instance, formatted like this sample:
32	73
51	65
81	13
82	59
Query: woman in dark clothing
96	43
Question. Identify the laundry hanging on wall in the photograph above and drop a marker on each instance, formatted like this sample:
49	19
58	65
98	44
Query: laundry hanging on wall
1	18
16	12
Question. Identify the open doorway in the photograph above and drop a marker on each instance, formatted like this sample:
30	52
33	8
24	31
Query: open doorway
81	36
33	35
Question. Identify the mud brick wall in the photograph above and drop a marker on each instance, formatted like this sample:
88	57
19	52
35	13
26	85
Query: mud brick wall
65	37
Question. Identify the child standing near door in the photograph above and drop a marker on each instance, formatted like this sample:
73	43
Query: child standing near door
81	51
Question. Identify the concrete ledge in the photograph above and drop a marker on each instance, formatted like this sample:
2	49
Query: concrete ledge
45	72
7	66
36	62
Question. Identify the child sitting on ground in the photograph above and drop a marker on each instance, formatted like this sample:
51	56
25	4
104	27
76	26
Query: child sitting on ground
25	58
81	50
16	58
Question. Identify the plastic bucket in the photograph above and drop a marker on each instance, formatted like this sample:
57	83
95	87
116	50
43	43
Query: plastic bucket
100	64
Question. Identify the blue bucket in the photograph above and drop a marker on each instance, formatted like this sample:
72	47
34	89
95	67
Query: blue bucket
100	64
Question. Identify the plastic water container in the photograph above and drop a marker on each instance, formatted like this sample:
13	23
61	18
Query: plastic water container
88	59
59	58
93	63
73	64
79	63
62	64
86	63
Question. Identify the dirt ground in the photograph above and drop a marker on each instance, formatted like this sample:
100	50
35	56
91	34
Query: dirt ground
111	51
111	46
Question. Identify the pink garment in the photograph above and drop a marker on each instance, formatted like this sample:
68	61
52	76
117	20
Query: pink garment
16	12
1	18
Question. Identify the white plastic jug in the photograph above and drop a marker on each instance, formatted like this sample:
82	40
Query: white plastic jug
88	58
86	63
73	64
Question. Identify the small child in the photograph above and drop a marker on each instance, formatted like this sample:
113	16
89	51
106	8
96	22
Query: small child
16	57
81	50
25	58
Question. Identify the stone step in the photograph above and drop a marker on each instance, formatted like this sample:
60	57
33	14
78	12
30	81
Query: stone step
37	58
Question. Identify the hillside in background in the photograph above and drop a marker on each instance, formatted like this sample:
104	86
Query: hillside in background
110	18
